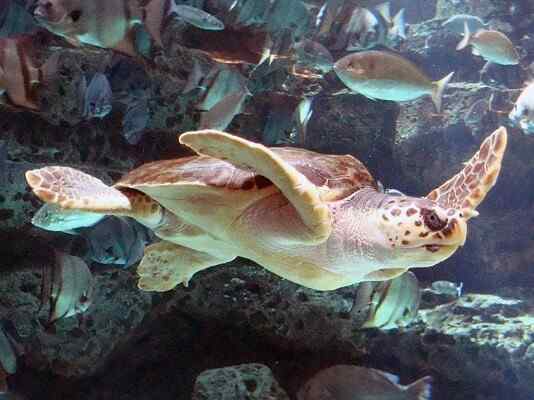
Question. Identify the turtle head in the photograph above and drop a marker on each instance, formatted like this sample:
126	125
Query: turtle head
419	232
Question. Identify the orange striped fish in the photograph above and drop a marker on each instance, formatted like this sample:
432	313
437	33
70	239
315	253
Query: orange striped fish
19	76
104	23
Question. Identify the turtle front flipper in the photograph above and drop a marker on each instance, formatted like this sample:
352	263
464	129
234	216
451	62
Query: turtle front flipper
72	189
166	265
300	192
466	190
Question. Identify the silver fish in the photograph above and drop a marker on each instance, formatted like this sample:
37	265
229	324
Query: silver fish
387	76
313	56
222	113
456	23
349	382
389	304
303	114
71	288
226	81
51	217
448	288
98	97
199	18
493	46
523	111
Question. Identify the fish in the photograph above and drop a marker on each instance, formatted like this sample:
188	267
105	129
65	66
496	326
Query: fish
312	56
116	240
20	78
448	288
53	218
303	114
199	18
222	113
98	97
387	76
456	23
388	304
194	78
135	120
225	82
363	30
103	23
350	382
396	25
523	111
68	286
493	46
8	356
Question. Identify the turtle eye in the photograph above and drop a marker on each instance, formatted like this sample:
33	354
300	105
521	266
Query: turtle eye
432	221
75	15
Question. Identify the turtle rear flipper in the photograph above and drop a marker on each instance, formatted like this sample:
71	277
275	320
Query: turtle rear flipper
466	190
301	193
73	189
166	265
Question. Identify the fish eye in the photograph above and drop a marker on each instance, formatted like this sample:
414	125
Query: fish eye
431	220
75	15
83	298
524	112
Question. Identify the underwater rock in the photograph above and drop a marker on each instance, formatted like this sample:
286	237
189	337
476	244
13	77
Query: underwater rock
246	381
71	347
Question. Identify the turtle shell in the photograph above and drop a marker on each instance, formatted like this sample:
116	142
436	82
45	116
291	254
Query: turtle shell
337	176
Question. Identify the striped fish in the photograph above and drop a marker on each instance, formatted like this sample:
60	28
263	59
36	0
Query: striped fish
103	23
19	77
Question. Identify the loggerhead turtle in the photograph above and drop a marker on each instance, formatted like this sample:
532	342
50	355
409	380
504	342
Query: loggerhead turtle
314	219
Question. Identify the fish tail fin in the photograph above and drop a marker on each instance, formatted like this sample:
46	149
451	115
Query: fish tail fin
383	10
466	39
439	88
399	27
420	389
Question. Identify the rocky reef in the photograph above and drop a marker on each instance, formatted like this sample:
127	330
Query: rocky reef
199	341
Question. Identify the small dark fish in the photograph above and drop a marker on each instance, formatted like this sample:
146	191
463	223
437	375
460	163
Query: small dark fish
135	120
199	18
116	240
98	97
349	382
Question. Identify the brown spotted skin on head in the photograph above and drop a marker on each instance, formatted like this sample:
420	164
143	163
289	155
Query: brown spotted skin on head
466	190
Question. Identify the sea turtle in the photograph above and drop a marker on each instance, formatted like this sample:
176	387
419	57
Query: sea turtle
317	220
